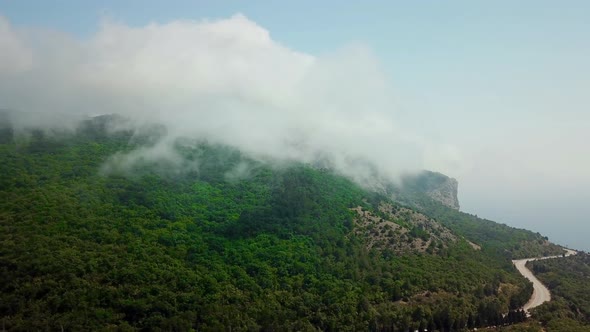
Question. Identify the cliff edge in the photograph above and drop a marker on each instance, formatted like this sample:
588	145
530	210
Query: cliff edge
435	185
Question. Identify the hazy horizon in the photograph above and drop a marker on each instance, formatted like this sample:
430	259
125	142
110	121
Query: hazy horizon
493	94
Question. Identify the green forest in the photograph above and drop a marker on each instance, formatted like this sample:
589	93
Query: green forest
568	279
228	242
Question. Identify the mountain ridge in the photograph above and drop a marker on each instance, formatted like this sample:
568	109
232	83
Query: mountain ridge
278	248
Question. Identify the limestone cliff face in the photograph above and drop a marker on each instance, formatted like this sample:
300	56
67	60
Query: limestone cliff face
446	193
435	185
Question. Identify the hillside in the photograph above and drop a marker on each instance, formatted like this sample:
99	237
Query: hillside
416	192
568	279
219	240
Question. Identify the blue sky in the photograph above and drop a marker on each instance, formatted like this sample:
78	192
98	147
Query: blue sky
506	83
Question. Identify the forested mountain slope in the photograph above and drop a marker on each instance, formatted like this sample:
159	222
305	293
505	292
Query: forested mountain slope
499	238
568	279
216	240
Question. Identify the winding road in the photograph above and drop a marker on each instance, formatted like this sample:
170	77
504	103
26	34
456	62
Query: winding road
540	293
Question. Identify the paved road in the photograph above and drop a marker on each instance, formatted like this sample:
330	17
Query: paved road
540	293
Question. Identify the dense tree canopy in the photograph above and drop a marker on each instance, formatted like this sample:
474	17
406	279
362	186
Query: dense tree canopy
233	244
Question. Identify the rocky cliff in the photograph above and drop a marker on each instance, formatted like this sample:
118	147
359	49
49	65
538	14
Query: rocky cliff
446	193
435	185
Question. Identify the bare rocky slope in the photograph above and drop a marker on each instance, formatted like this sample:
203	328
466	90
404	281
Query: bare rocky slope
401	230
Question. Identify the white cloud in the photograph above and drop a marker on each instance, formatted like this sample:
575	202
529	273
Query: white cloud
14	57
224	80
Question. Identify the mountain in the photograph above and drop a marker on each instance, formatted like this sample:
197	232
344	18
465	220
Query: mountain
98	236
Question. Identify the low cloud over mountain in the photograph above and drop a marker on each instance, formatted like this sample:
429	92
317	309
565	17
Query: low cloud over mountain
226	81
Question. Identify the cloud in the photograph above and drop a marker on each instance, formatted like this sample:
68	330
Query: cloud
14	56
226	81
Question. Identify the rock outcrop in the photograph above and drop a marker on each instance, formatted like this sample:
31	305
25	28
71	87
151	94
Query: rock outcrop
435	185
446	193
